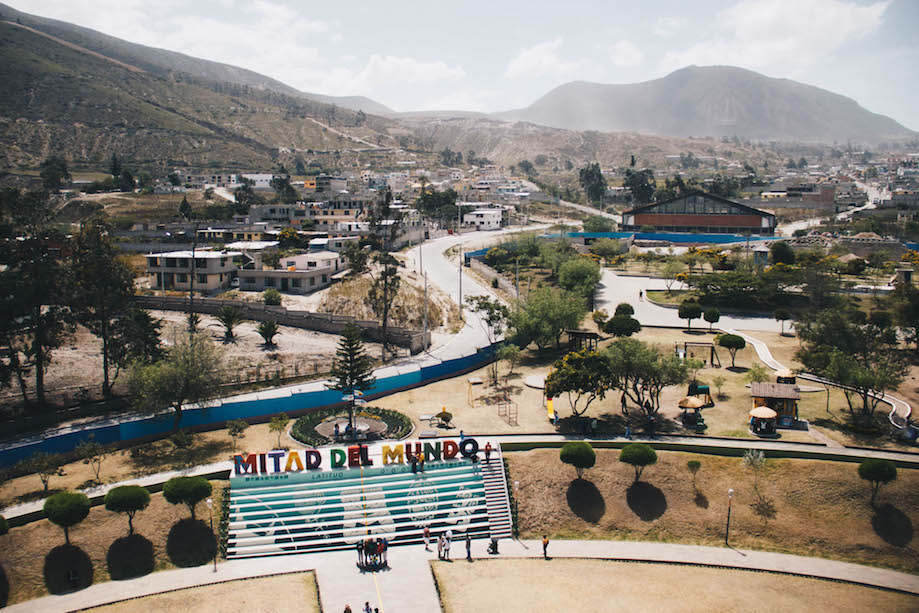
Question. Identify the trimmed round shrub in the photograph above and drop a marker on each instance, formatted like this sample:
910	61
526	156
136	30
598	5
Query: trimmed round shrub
271	297
67	509
188	491
624	309
578	454
127	499
638	455
879	472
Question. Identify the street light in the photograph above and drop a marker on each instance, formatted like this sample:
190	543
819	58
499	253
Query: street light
516	497
727	530
210	511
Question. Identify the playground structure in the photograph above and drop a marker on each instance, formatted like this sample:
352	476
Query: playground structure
690	347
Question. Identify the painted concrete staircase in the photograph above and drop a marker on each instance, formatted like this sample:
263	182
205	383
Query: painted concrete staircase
350	505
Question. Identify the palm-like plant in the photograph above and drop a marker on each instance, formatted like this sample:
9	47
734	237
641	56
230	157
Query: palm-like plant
229	317
268	330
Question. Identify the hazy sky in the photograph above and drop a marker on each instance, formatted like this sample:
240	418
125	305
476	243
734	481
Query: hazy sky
497	55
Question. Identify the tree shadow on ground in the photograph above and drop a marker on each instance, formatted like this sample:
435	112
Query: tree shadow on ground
864	432
162	455
737	369
892	525
191	543
4	588
67	569
695	332
130	556
764	508
646	501
701	500
36	495
586	501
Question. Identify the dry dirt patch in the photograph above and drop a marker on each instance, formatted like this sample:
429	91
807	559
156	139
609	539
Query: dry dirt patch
808	507
599	585
290	593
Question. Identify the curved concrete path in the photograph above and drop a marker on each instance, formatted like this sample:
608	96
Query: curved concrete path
408	585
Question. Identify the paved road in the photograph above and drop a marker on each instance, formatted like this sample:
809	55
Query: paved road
578	207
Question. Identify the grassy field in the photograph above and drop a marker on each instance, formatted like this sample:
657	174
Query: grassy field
522	586
289	593
34	560
804	507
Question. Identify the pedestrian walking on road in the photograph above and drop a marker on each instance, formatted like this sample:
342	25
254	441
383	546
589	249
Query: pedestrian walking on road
427	538
640	296
367	608
468	547
347	608
487	453
545	547
628	432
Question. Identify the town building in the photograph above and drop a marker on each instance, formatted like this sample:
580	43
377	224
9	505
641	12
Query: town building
484	219
699	212
212	270
300	274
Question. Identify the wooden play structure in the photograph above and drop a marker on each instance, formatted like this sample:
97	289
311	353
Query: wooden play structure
691	347
702	392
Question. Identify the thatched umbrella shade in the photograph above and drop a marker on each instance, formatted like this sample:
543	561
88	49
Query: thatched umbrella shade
690	402
763	413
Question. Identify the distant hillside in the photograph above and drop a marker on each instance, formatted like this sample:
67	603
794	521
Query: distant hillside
712	101
58	97
162	62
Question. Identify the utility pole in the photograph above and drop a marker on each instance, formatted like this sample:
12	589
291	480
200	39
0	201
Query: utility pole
424	339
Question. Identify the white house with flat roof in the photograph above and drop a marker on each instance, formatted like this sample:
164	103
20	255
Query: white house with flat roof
298	274
206	270
484	219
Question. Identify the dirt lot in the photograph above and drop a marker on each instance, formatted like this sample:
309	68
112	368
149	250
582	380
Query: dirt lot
34	559
600	585
805	507
290	593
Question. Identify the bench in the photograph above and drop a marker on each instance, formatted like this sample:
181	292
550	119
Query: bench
428	434
426	417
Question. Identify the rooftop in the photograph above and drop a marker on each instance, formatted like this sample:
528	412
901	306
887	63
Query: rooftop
775	390
198	254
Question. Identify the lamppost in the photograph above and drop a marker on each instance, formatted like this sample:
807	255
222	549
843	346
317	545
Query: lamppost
210	511
516	497
727	530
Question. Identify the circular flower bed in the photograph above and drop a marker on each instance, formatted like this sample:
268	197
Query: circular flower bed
304	429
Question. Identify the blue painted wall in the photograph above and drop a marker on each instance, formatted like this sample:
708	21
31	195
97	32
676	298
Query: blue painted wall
158	426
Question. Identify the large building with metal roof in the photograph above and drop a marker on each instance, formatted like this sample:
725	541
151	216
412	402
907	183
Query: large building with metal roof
699	212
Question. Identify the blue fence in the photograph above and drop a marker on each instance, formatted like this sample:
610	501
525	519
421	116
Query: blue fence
229	409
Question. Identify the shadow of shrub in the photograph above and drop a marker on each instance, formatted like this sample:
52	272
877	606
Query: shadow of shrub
4	588
67	569
586	501
701	500
646	501
892	525
130	556
190	543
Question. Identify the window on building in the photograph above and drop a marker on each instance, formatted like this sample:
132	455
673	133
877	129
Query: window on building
249	280
295	283
291	263
181	278
312	281
269	281
325	278
202	279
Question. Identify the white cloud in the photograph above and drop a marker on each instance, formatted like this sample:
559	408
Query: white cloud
624	53
543	59
665	27
773	35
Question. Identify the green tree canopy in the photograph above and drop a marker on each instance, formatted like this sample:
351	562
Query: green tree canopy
879	472
127	499
597	223
624	309
642	371
66	509
54	173
580	275
188	491
583	375
639	456
732	342
578	454
622	325
781	252
594	184
606	248
546	314
712	316
690	310
641	184
352	368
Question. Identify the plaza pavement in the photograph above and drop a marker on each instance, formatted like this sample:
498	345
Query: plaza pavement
407	586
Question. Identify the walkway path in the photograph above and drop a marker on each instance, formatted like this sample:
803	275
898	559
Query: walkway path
408	585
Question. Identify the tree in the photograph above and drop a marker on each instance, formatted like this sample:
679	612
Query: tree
642	371
245	196
115	166
66	509
268	330
510	354
879	472
578	454
288	238
624	309
493	319
782	315
546	314
622	325
781	252
125	181
357	257
278	424
45	465
640	183
92	452
593	183
189	372
236	429
670	270
284	191
712	316
32	293
755	461
639	456
127	499
580	276
229	317
102	287
271	297
188	491
583	375
905	300
732	342
352	368
606	248
383	292
690	310
185	208
54	173
596	223
135	340
718	381
527	168
694	466
757	374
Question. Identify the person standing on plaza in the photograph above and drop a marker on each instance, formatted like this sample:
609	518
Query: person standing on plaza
487	453
448	540
468	547
440	547
421	462
545	547
427	538
360	554
367	608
